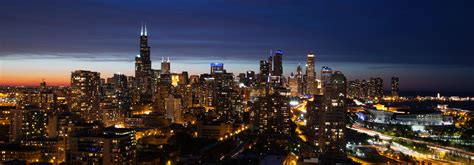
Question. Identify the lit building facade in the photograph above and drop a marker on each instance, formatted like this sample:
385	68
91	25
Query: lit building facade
311	86
85	94
395	90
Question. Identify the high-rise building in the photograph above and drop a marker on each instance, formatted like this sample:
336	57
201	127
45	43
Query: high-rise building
165	66
250	79
85	94
174	110
375	87
27	123
299	77
103	146
155	78
264	72
122	93
226	98
183	78
327	116
163	91
311	86
143	71
395	87
293	83
354	89
326	74
278	63
271	115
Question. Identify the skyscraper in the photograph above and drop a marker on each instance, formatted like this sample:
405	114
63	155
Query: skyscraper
278	63
165	66
327	115
272	115
85	94
174	109
143	71
311	86
122	99
293	84
299	77
395	87
264	71
375	87
326	74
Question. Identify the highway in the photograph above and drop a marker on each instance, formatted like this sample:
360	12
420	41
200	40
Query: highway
369	132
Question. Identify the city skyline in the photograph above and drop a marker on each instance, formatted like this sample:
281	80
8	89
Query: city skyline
110	47
210	82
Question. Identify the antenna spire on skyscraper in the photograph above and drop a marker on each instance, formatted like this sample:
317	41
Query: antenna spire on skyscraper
146	33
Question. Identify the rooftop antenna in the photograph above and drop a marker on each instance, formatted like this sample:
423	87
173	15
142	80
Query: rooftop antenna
141	30
146	33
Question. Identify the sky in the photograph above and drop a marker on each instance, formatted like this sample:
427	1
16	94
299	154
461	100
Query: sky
427	43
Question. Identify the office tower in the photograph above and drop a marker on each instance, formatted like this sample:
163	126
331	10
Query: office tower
250	79
122	93
278	63
155	79
163	91
293	83
103	146
143	71
165	66
271	115
174	111
175	77
185	91
184	78
395	87
326	73
327	120
264	72
27	123
85	94
205	93
299	77
311	86
217	67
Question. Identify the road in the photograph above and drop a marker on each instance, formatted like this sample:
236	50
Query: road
369	132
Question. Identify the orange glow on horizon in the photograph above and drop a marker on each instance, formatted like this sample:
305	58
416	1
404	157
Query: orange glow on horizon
34	80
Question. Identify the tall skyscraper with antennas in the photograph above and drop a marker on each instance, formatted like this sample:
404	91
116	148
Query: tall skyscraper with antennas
143	71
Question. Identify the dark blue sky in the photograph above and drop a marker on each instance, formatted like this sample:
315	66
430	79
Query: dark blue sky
426	43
